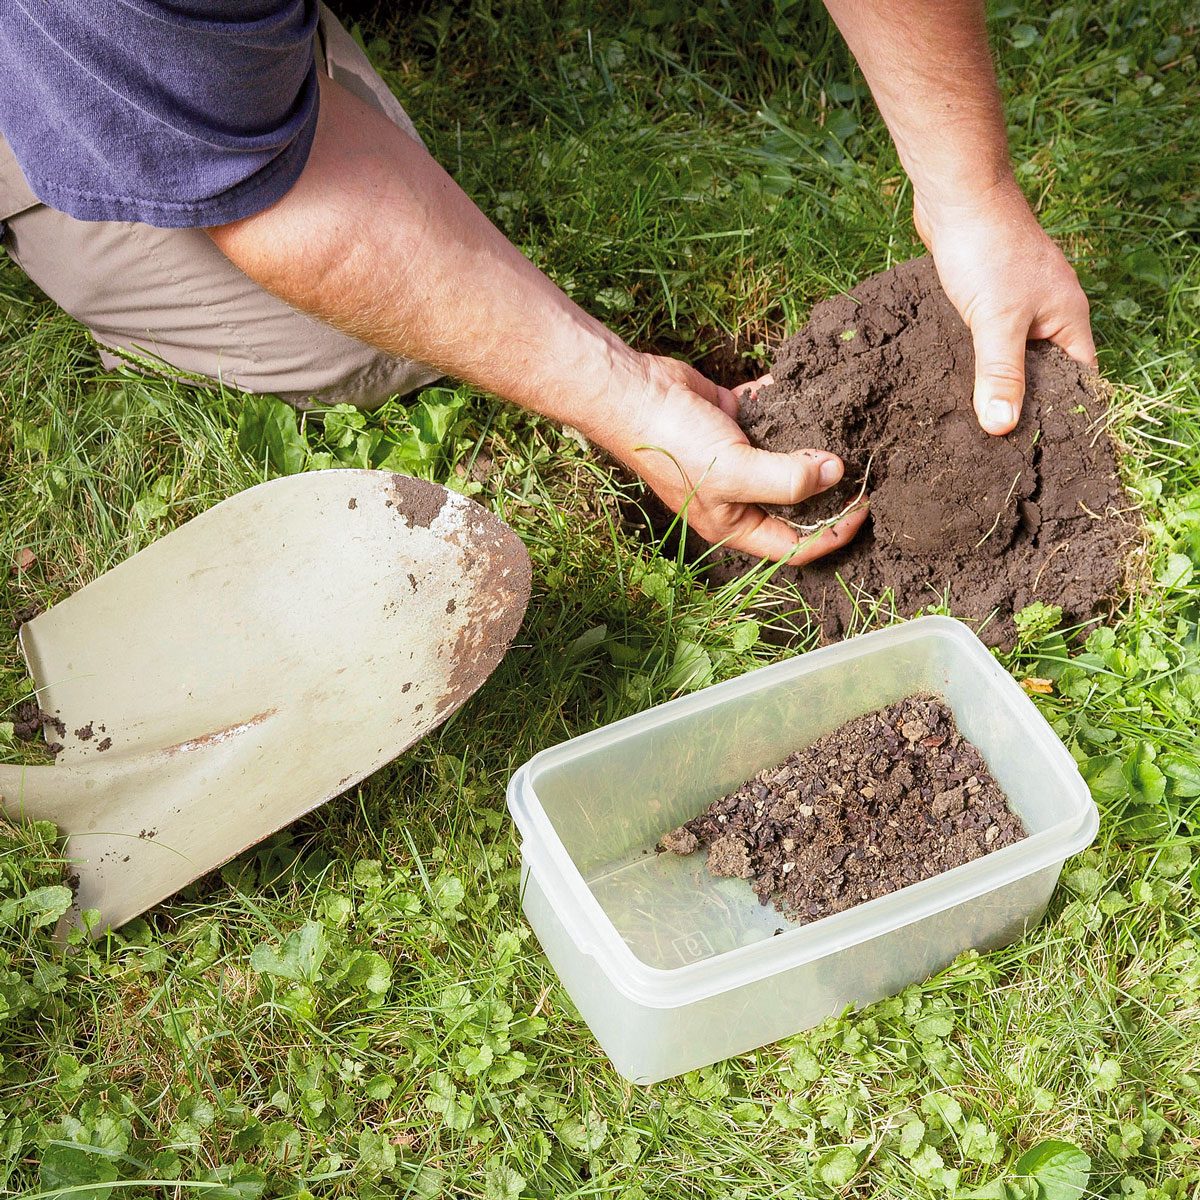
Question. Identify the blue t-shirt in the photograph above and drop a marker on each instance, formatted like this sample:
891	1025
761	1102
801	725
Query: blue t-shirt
169	112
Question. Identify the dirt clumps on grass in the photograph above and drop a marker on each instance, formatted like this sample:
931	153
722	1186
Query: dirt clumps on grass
884	378
29	723
888	799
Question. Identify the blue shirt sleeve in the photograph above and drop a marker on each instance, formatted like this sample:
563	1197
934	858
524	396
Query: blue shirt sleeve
173	113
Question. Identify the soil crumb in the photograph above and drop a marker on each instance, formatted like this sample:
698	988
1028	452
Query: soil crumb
888	799
28	720
27	612
884	377
418	502
29	723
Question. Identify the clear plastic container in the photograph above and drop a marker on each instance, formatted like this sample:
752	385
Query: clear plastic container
673	969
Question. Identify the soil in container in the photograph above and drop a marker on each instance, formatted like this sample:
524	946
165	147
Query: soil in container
883	377
888	799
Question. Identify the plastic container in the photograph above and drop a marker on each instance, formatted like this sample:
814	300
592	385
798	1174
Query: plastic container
673	969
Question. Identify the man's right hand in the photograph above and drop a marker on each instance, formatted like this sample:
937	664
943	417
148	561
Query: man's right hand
680	434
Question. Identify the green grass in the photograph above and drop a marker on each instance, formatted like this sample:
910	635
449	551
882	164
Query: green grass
356	1008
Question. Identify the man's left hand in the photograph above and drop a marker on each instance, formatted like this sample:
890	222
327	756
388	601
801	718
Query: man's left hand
1010	283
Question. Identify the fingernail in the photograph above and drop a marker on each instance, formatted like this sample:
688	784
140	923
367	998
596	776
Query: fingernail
999	413
830	473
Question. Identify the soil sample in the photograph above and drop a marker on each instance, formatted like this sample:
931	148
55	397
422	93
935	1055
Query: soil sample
888	799
884	377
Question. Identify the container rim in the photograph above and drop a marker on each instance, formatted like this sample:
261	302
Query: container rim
594	933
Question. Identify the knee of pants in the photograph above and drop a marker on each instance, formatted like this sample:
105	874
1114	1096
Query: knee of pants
367	382
366	385
167	301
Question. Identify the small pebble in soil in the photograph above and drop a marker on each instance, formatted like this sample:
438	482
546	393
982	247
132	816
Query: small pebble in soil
888	799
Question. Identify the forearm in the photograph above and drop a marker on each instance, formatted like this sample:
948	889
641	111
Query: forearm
931	73
376	239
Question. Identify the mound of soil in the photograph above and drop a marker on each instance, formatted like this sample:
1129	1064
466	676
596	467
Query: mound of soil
884	376
888	799
29	723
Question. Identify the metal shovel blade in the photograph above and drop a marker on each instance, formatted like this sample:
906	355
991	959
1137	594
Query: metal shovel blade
254	663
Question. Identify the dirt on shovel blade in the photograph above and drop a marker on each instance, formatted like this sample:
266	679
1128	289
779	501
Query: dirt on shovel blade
888	799
884	378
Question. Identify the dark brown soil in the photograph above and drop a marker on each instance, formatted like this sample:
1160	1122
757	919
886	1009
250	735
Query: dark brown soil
716	354
419	502
28	720
888	799
29	723
884	376
26	612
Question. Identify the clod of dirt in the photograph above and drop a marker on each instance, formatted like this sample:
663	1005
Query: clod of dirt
885	376
86	732
27	612
29	722
418	502
888	799
680	841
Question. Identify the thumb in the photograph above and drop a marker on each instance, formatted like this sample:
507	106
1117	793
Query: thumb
1075	336
999	373
763	477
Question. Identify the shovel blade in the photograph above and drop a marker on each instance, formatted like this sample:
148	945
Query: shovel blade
256	662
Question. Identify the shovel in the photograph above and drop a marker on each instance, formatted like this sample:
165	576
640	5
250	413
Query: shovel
251	665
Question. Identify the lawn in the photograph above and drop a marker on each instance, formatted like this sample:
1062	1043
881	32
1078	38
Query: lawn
356	1008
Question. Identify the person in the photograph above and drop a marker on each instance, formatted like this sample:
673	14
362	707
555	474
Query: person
227	189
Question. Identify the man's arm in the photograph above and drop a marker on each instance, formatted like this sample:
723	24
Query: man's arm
931	74
378	240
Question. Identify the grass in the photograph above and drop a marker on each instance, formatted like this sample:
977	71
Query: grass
355	1007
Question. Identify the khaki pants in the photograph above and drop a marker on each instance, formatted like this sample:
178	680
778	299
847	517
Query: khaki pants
170	295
